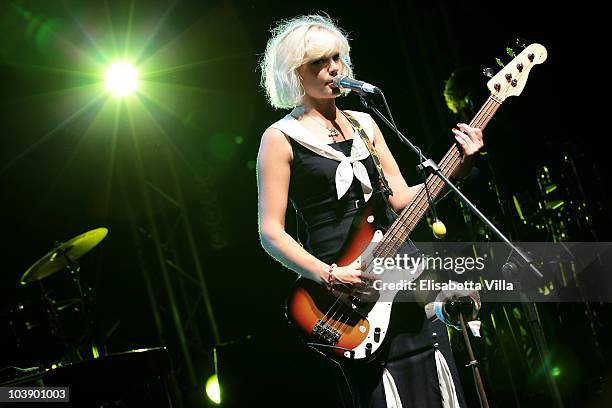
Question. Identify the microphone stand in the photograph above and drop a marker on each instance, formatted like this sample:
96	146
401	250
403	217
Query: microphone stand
482	396
529	309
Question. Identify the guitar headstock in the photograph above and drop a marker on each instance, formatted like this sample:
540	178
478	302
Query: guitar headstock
511	79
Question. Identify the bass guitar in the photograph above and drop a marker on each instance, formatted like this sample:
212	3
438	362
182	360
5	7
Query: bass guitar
352	322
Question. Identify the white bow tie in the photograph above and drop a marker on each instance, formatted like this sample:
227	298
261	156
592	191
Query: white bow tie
348	167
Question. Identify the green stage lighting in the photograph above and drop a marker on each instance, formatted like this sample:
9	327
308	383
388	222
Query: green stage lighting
213	391
121	79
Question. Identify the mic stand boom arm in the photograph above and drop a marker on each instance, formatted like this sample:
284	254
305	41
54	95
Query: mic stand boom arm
431	167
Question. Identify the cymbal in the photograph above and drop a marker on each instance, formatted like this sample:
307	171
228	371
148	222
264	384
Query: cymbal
58	258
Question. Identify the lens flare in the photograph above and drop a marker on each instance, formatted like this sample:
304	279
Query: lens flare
121	79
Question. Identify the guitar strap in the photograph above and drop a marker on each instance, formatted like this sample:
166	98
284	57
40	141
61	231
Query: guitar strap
384	185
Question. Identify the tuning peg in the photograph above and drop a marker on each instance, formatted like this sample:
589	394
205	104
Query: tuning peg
520	42
510	52
488	72
499	62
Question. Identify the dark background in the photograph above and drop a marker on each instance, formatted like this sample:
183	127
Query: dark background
66	169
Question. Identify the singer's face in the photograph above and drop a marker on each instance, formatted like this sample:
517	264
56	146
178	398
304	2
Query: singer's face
317	76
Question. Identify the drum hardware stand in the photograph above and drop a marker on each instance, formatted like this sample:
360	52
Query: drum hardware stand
74	270
51	310
64	255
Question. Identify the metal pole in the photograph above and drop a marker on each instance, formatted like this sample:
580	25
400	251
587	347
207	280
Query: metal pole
482	396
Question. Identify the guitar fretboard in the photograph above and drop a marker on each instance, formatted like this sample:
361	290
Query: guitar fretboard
412	214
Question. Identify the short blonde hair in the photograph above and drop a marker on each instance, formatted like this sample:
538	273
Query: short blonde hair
293	43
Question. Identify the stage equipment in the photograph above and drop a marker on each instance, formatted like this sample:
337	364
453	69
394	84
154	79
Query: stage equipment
132	375
46	326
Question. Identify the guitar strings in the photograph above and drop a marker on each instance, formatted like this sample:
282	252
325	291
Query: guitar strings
340	324
453	155
419	205
445	164
449	160
390	242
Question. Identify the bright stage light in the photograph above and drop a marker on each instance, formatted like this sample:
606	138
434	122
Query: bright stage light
213	390
121	79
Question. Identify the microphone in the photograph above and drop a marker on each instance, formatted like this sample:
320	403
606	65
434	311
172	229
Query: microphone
344	82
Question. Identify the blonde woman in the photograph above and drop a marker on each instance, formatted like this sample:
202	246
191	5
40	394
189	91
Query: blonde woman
314	159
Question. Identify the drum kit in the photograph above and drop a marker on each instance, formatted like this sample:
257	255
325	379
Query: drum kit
52	332
51	318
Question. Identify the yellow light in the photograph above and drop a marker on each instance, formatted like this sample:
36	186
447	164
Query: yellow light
121	79
94	351
213	391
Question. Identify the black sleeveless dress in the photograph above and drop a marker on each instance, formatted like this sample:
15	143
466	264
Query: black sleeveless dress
326	220
326	223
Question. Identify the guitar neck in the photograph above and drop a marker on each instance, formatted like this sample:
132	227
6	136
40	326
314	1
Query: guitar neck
412	214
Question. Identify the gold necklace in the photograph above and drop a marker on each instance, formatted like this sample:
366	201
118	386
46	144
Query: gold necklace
333	132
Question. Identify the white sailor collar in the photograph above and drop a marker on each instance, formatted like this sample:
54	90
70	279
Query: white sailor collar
348	167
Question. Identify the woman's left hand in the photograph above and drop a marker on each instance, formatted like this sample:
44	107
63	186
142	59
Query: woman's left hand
447	295
469	138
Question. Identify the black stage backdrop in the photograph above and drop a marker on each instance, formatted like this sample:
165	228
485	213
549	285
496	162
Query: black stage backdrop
176	187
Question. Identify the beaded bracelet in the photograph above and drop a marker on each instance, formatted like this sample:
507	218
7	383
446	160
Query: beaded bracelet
330	274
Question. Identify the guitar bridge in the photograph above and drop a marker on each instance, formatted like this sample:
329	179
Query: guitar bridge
325	333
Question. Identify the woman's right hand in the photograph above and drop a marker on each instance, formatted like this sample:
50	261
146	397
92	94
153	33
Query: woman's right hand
349	274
